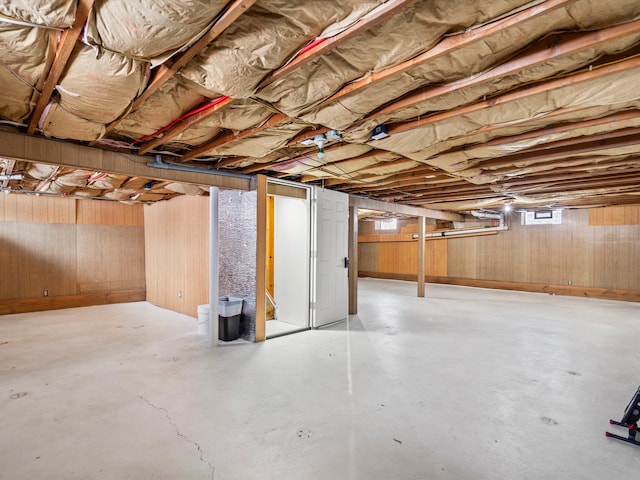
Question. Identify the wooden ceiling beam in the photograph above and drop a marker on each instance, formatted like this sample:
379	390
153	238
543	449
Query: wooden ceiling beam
42	150
632	178
168	69
549	49
617	117
230	136
569	173
467	188
438	179
68	40
380	206
441	197
520	94
185	125
45	182
376	17
511	162
447	46
370	20
286	160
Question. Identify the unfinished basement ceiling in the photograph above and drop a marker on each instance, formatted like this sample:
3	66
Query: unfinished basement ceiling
484	102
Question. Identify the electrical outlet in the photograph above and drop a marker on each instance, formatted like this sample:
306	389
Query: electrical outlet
45	293
569	282
179	294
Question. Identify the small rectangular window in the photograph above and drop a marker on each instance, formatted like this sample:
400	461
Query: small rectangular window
542	217
387	224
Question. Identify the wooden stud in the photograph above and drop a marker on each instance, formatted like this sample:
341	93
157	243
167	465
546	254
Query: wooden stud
421	256
353	260
261	254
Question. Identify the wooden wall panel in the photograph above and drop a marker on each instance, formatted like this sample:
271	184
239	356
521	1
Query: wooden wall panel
109	213
619	215
42	248
35	257
573	253
396	252
436	258
110	258
39	209
177	253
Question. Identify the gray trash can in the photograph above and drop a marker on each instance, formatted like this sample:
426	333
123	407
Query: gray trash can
229	315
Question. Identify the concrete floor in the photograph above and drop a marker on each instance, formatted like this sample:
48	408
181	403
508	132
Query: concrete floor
465	384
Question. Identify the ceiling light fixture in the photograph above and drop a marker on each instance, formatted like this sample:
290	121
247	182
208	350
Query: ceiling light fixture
319	140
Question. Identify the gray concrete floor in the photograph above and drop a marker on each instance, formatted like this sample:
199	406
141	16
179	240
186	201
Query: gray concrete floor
464	384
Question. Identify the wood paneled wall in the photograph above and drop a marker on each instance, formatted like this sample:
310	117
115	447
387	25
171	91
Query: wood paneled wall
177	253
397	252
620	215
594	252
573	253
46	245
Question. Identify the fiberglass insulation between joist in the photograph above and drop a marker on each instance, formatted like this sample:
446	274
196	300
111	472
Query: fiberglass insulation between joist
461	159
399	38
615	88
25	54
462	92
261	143
477	61
48	13
262	40
148	28
171	100
99	85
57	122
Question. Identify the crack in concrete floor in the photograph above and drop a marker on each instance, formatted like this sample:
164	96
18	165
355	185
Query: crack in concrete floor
180	434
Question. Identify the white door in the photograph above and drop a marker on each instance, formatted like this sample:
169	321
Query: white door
331	235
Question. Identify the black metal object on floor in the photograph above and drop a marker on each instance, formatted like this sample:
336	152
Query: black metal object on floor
629	421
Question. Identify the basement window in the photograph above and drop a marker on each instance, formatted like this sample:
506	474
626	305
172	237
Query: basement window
541	217
387	224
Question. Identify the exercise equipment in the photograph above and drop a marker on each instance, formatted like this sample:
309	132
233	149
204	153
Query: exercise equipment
629	421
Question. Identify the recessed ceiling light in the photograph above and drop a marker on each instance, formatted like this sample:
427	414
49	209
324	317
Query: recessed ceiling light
429	176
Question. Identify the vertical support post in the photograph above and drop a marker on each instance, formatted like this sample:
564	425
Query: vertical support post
261	260
421	255
213	264
353	260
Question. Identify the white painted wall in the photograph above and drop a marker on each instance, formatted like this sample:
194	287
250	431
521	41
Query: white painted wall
291	260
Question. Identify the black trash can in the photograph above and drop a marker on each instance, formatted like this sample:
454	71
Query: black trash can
229	315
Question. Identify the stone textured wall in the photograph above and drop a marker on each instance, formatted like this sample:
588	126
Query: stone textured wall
237	252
